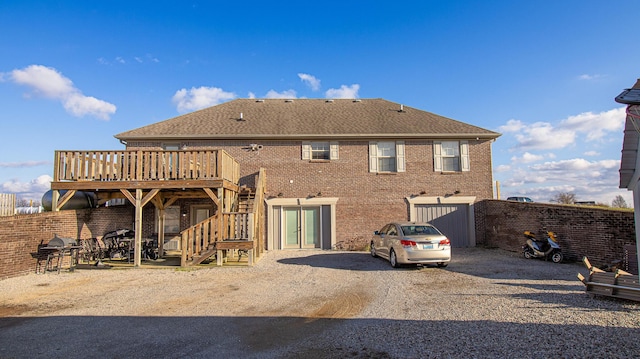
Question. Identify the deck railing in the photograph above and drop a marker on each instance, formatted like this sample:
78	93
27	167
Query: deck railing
132	165
249	226
199	237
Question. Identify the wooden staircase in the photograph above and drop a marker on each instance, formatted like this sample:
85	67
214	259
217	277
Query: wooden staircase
246	197
238	230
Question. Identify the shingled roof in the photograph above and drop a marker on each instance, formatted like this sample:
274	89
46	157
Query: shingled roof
307	119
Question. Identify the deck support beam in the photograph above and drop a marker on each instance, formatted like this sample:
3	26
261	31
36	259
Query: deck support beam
138	228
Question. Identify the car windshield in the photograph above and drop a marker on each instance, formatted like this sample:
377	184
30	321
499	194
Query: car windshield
418	230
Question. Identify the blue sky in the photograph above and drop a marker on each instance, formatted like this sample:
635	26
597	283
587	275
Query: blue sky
543	73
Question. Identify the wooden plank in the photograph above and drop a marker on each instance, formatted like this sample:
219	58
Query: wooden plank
183	246
138	165
104	172
149	196
582	278
116	185
239	244
64	199
128	195
628	281
91	161
212	195
620	272
601	278
138	229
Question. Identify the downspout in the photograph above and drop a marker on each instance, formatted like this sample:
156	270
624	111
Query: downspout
636	217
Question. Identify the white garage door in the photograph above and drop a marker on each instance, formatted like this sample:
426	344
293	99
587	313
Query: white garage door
450	219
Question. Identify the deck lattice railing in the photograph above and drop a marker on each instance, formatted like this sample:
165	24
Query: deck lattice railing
139	165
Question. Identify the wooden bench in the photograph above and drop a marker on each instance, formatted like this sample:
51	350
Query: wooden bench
234	243
618	284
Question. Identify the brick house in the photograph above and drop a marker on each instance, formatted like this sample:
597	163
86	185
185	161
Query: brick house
336	170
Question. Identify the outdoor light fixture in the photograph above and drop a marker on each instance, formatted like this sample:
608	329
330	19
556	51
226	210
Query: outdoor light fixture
631	98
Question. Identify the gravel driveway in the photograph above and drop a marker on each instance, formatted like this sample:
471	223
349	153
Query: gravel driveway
319	304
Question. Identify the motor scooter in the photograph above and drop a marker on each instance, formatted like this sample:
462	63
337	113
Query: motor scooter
547	249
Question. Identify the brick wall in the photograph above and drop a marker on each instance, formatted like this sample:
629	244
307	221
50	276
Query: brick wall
599	234
22	234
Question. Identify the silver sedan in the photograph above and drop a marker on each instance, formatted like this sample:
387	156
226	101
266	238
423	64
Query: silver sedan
411	243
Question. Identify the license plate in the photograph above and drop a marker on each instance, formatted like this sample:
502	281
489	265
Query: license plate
427	246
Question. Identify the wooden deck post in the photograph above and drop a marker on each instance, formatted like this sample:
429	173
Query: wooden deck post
161	219
138	225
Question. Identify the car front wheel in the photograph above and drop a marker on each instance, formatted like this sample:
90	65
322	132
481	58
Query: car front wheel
393	259
442	265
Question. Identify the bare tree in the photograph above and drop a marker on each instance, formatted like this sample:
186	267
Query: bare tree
23	202
619	202
564	198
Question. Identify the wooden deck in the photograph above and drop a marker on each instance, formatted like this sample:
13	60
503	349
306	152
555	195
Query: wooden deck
110	170
143	176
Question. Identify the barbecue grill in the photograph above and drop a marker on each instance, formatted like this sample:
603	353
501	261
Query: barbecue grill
56	249
61	243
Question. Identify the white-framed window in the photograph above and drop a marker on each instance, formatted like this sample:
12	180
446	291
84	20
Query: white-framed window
451	156
319	150
386	156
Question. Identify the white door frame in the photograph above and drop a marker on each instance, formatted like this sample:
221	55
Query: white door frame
468	200
299	202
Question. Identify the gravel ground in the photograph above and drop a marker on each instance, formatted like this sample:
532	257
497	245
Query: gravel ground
319	304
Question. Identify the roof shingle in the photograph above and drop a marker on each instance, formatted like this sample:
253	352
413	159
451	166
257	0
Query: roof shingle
307	118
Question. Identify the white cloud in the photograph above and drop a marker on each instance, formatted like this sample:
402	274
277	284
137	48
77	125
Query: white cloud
542	135
528	158
33	189
283	94
23	164
592	153
512	126
49	83
588	77
545	135
251	95
595	125
589	180
503	168
576	167
201	97
343	92
310	80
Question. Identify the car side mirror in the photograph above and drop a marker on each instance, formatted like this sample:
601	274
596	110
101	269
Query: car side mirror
376	233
